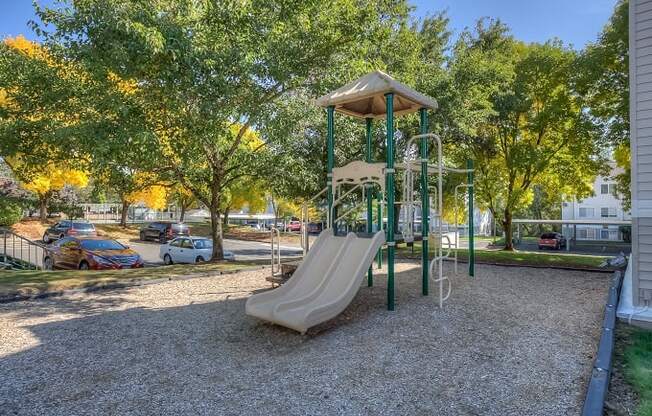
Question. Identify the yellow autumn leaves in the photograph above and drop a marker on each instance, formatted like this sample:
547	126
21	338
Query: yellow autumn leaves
54	178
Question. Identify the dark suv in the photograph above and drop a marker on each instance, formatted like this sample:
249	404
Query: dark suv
163	231
67	228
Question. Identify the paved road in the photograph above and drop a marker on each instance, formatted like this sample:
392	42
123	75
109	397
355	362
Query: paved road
243	250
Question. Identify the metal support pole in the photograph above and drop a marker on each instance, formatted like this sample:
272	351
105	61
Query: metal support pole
370	209
389	175
330	149
425	207
380	226
469	181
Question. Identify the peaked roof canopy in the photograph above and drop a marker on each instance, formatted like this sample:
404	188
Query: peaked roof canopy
365	97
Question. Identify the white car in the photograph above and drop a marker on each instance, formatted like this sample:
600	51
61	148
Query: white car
189	250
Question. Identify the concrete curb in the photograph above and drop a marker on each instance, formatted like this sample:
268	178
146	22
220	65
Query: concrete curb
601	374
18	296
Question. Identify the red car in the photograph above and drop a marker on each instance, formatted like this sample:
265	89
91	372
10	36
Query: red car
293	226
90	253
552	240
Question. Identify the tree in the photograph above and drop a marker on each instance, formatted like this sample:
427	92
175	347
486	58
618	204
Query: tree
50	180
527	126
198	86
247	193
603	80
153	196
183	198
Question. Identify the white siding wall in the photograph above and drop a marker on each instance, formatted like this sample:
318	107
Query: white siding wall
640	59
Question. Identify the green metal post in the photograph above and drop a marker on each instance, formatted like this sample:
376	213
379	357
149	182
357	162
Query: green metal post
425	206
370	208
330	149
469	165
380	227
389	98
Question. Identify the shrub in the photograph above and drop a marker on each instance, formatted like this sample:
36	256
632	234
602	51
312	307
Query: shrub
10	212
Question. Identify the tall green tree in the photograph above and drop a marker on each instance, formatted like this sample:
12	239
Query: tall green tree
520	120
603	80
207	66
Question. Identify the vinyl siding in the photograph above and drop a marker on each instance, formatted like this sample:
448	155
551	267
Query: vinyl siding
640	46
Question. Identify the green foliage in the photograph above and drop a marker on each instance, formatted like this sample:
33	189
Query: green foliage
638	370
602	79
520	120
10	212
194	86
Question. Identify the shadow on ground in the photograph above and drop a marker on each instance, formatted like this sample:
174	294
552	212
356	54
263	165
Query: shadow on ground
511	341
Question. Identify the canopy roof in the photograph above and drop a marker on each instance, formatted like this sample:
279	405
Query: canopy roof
365	97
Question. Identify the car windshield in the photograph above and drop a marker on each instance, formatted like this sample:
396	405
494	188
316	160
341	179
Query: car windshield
179	227
82	226
204	243
548	236
101	245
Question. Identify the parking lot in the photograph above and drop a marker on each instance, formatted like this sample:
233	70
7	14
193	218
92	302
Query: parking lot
243	250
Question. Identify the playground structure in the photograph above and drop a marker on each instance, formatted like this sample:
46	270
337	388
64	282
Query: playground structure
331	272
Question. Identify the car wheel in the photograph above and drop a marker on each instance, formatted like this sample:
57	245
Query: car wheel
142	236
83	265
161	239
540	247
46	238
167	259
48	263
199	259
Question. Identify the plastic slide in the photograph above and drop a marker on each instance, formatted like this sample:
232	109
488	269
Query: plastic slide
323	285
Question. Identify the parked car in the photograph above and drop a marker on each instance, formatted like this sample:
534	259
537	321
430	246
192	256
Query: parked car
552	240
163	231
78	228
93	253
314	227
189	250
293	226
254	225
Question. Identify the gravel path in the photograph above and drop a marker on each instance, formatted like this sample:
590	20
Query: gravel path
512	341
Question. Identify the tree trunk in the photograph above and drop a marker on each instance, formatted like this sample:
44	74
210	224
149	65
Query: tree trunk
123	214
275	211
216	223
216	235
507	227
43	209
182	214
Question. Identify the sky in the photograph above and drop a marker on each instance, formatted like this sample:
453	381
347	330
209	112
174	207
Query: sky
575	22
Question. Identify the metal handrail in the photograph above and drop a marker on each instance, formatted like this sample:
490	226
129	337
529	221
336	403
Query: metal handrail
349	210
457	233
19	254
275	234
305	220
338	201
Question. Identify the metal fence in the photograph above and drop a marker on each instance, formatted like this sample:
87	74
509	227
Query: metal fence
110	213
18	252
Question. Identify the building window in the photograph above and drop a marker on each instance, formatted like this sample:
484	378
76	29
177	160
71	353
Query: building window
608	188
608	212
586	212
604	234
